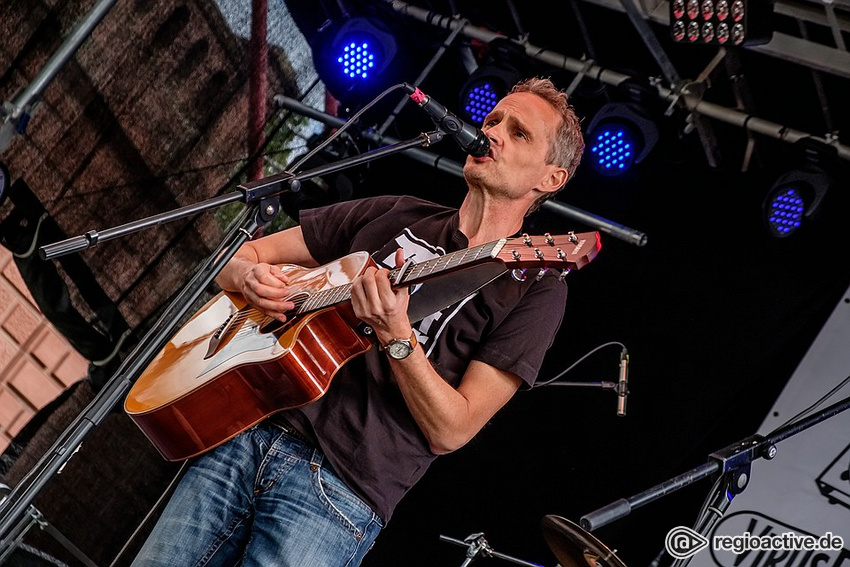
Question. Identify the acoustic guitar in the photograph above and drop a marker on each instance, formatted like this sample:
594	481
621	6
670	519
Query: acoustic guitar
230	366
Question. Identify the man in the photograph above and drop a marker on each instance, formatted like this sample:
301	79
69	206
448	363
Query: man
314	485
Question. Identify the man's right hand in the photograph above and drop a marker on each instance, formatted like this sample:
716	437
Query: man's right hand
266	287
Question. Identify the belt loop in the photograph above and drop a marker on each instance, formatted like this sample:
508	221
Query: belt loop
317	458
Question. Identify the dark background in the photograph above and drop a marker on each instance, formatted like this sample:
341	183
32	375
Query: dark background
715	312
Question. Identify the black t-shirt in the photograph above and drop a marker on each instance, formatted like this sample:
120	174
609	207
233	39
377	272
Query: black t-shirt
362	423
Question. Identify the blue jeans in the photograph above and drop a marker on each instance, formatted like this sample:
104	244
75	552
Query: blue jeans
262	499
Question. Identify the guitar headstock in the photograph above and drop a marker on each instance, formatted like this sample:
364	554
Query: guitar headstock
571	251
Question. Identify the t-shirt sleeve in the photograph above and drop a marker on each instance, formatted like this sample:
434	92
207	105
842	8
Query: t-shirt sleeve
329	231
519	343
334	231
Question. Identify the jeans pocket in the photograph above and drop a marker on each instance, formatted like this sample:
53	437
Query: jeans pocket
339	501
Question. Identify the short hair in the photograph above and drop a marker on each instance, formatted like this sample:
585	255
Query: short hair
566	149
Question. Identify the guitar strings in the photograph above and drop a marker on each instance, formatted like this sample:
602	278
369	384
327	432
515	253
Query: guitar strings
326	297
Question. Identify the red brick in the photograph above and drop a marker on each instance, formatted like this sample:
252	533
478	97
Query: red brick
33	384
8	297
12	274
10	409
19	423
72	369
21	322
8	352
49	348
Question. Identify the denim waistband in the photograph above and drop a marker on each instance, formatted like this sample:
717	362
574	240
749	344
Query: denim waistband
280	421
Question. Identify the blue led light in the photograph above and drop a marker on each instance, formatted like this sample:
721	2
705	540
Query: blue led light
612	150
480	100
785	212
357	59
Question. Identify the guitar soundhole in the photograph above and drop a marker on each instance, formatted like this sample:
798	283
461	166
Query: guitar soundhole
269	325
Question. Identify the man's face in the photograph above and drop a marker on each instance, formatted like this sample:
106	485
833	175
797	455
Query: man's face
520	129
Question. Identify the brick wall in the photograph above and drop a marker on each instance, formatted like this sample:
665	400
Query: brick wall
36	362
148	115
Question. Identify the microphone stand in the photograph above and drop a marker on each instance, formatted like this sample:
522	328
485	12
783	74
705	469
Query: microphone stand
477	545
261	196
732	462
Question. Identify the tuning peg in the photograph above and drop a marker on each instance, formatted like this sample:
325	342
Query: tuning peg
561	254
563	274
549	240
541	273
538	254
572	236
519	275
526	239
516	255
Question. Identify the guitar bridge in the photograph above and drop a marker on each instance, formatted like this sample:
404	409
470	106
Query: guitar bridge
215	340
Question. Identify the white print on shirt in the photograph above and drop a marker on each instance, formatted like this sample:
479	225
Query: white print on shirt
420	251
414	248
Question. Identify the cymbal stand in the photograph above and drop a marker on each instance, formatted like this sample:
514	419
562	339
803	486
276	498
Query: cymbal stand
724	491
476	545
732	464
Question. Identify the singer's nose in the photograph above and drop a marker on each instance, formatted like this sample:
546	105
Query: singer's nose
494	133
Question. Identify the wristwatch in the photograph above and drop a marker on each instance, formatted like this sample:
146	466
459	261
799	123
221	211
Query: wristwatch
399	349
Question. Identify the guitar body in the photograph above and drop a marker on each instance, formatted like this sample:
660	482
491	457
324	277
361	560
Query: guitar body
229	366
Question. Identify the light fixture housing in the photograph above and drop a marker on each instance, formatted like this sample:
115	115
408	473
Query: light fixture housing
479	95
620	135
797	196
721	22
355	58
498	72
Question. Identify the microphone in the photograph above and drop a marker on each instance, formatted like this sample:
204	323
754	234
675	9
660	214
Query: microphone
471	139
623	384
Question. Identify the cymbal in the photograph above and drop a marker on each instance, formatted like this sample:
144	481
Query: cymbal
575	547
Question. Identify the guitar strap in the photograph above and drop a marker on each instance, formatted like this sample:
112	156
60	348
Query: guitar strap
439	293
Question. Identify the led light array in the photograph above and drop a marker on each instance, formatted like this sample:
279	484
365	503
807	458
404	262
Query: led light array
356	60
480	101
613	149
785	212
708	21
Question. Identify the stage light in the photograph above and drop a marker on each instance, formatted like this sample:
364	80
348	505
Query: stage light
352	58
797	195
479	98
620	135
484	88
491	81
721	22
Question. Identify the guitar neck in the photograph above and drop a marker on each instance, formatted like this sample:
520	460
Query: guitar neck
413	274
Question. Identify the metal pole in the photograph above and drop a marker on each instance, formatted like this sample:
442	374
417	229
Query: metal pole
694	104
422	76
573	213
16	112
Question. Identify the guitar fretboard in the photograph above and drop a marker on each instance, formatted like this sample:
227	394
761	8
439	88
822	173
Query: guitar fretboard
413	274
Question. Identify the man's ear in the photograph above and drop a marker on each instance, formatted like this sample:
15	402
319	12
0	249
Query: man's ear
555	180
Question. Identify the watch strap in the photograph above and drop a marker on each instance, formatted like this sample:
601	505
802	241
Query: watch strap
411	341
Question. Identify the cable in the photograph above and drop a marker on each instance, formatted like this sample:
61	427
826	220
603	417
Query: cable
813	406
342	128
577	362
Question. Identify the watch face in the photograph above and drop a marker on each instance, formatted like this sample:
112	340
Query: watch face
399	349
